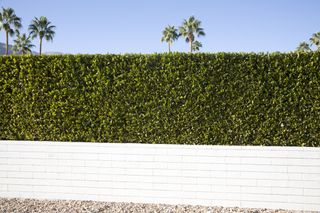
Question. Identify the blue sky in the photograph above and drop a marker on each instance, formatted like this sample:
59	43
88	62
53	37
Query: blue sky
135	26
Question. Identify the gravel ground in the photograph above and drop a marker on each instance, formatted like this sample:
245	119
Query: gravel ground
71	206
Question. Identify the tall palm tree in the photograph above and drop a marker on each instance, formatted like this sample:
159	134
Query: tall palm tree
22	44
303	47
9	22
196	46
315	39
43	28
169	35
190	29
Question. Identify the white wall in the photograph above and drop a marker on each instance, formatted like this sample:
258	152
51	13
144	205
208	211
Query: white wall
266	177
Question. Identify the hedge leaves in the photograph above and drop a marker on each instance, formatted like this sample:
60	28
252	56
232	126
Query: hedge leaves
235	99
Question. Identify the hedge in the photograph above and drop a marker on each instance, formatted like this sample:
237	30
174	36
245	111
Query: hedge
224	98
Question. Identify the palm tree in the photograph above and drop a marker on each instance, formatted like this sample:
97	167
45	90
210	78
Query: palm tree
191	28
315	39
196	46
8	19
22	44
303	47
41	27
169	35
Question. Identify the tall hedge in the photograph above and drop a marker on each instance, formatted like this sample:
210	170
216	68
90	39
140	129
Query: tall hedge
235	99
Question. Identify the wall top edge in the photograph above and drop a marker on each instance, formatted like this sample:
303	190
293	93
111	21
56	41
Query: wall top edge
173	146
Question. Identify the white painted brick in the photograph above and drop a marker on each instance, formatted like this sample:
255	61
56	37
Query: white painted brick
264	175
304	199
203	159
196	173
153	165
279	161
204	188
160	151
84	156
3	161
105	177
286	191
212	152
241	182
315	177
218	167
215	181
18	161
136	185
304	162
166	186
105	156
167	172
70	176
14	174
172	179
309	207
279	177
226	189
168	158
303	154
20	188
32	168
63	155
311	192
132	171
270	183
9	155
258	168
51	162
294	176
70	163
255	190
304	169
36	155
219	195
311	184
264	197
229	174
46	188
191	152
8	167
14	181
3	188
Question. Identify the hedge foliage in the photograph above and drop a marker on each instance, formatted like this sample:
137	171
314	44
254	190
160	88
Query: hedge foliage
235	99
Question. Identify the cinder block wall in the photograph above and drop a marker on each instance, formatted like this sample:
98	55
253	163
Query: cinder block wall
266	177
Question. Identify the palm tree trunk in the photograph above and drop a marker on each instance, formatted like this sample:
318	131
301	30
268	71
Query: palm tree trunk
40	46
169	47
190	46
7	42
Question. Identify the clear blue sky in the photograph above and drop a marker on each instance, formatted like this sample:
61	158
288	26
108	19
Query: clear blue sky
135	26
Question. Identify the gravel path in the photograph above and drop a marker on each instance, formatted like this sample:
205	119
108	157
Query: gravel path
71	206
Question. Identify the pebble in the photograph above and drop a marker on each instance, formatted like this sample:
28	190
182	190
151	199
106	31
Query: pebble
17	205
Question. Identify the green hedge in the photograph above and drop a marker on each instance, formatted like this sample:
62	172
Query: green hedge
235	99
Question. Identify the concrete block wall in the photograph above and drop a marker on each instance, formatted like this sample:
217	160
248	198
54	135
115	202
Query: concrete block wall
257	177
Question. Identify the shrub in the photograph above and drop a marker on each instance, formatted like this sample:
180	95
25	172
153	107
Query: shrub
234	99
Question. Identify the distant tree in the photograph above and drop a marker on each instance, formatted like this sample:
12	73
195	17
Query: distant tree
22	44
315	40
9	22
196	45
190	29
42	28
303	47
169	35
